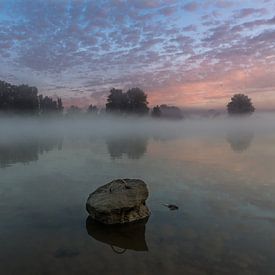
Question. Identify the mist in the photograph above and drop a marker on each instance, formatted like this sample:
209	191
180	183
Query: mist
17	128
219	172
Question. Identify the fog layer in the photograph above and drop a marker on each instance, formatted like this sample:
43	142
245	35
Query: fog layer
21	128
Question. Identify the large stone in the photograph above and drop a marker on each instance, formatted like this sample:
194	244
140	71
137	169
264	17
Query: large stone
119	201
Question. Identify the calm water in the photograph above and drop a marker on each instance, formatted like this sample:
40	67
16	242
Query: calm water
222	177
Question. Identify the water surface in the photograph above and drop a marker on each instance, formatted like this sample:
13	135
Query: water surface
221	175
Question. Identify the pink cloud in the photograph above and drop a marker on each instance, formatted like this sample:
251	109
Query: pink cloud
215	93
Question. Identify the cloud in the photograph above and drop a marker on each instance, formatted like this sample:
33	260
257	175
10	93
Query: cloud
223	4
190	28
254	24
248	12
168	11
191	6
90	46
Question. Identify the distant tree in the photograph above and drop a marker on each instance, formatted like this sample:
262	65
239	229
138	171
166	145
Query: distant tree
156	112
92	109
211	113
73	110
240	104
134	101
116	101
137	101
18	99
171	112
24	99
60	105
48	105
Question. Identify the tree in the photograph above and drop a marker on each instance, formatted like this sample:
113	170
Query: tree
133	101
156	112
47	105
73	110
60	105
240	104
18	99
24	99
92	109
116	101
137	101
171	112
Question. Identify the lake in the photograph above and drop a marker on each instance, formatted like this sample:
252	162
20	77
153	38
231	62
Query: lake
221	174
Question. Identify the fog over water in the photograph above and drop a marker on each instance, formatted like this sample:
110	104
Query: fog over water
220	172
116	126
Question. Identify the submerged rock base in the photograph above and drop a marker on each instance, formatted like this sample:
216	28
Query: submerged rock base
119	201
125	236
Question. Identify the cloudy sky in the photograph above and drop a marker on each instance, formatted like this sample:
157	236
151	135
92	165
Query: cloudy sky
189	53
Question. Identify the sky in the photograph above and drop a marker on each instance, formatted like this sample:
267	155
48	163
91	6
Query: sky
193	54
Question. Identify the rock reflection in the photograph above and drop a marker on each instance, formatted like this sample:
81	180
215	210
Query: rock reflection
119	237
240	140
25	151
134	147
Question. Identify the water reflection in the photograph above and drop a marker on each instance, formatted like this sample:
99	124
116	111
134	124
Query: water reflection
134	147
25	151
240	140
119	237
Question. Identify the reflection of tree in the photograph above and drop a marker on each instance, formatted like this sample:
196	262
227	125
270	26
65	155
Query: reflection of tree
133	146
166	136
24	151
119	237
240	140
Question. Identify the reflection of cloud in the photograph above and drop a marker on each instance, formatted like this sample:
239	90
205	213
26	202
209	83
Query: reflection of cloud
127	236
133	146
240	140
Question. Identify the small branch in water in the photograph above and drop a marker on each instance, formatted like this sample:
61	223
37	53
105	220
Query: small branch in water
171	206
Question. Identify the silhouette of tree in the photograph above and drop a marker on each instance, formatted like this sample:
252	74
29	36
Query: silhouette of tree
18	99
171	112
137	101
60	105
156	112
73	110
48	105
240	104
116	101
24	99
133	101
92	109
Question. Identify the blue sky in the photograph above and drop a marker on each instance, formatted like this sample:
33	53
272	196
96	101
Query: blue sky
190	53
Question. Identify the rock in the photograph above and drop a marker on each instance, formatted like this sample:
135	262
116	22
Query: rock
119	201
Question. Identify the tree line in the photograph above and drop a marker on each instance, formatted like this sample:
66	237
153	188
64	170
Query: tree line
25	99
